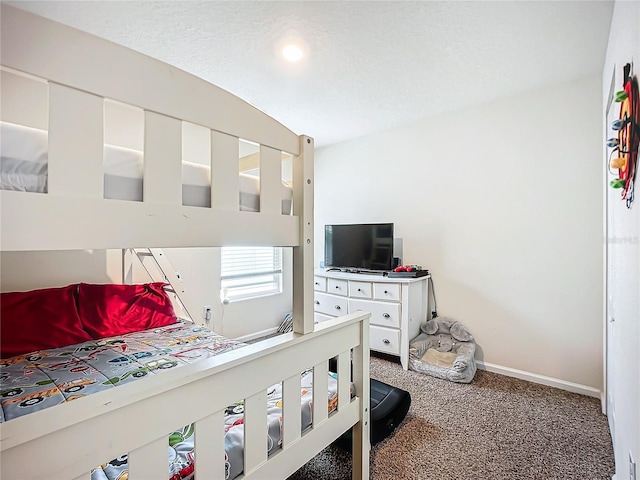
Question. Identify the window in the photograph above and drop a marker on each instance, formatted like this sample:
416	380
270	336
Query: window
249	272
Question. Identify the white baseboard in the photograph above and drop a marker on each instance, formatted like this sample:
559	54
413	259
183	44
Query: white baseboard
489	367
253	336
541	379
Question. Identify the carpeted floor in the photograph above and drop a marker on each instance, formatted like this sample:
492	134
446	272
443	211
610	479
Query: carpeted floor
494	428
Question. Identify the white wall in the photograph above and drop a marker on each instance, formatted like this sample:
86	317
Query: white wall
22	271
623	273
200	272
503	203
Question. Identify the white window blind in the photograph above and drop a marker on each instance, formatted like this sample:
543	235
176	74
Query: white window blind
249	272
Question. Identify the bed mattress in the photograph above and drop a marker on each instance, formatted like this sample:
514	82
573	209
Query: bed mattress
23	167
50	377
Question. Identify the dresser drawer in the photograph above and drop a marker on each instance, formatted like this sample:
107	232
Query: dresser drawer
330	304
337	287
386	291
385	340
385	314
319	284
360	289
320	317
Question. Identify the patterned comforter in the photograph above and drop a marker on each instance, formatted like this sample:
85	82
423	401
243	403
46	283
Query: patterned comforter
49	377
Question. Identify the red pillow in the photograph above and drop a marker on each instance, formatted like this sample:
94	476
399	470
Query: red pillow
39	319
110	310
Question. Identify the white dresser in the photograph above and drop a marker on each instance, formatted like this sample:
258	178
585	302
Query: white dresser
397	305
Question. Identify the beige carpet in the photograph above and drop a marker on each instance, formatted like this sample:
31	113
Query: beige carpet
495	428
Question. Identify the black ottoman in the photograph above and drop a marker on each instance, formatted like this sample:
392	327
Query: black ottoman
389	406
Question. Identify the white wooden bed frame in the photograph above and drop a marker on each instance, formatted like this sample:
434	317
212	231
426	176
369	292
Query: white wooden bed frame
81	71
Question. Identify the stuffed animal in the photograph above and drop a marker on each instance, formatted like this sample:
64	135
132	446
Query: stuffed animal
445	349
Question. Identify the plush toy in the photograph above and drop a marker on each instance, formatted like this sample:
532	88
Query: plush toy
445	349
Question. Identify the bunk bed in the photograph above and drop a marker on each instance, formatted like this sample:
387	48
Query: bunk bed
60	80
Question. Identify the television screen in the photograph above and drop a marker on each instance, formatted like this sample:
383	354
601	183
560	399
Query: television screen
363	246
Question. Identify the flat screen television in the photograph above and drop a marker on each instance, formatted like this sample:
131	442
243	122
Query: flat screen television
358	247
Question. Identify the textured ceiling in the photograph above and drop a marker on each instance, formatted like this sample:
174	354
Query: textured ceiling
370	65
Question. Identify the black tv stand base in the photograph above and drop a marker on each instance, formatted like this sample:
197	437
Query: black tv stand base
357	270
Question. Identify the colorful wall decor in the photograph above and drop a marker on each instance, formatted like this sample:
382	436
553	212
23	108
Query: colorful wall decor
624	153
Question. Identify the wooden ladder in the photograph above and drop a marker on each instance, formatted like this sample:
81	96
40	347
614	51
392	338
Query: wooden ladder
159	269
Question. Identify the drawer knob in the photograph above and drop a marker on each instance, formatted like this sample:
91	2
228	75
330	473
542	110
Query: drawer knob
386	292
337	287
386	341
386	315
317	283
337	307
317	302
359	289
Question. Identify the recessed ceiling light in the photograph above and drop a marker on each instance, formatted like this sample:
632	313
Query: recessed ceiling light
292	52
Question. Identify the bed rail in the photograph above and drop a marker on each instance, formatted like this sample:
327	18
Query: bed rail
61	80
137	418
68	57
